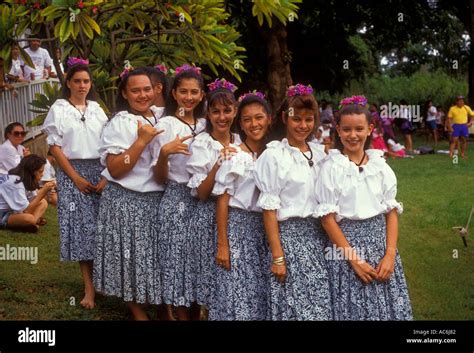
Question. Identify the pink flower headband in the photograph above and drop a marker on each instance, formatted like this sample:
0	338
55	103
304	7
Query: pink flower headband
359	100
187	67
127	69
222	84
299	90
253	93
162	68
74	61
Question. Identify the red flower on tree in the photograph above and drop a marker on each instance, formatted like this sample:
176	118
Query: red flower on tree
80	4
37	5
94	9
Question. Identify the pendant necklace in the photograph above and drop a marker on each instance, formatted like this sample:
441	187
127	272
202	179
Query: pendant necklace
358	164
310	158
156	121
193	130
83	119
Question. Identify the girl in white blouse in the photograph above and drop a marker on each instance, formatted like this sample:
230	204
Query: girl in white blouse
241	287
21	207
356	194
126	262
208	151
74	125
285	174
183	120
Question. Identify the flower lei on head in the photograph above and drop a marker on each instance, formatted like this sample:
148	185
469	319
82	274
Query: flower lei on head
187	67
162	68
253	93
299	90
126	70
359	100
222	84
74	61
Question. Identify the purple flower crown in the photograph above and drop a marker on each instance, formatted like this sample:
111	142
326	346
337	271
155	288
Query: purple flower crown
126	71
74	61
253	93
187	67
359	100
299	90
222	84
162	68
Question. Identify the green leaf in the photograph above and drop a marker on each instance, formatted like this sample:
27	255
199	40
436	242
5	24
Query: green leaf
91	23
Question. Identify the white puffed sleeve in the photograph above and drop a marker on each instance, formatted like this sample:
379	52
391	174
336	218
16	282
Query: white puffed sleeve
52	124
161	139
390	191
199	163
118	135
228	173
269	175
327	190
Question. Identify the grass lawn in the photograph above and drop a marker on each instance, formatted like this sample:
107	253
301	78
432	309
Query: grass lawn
436	194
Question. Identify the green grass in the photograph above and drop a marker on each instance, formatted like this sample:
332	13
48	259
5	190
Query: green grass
436	194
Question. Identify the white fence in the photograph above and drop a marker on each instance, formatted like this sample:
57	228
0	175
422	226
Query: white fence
16	108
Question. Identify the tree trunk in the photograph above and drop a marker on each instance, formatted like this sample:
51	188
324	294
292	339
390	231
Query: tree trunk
471	54
278	59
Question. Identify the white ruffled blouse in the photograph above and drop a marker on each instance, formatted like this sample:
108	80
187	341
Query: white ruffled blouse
236	178
343	190
286	180
172	126
119	134
205	153
78	139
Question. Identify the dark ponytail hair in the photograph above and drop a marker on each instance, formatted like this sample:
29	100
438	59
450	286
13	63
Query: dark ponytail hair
248	100
26	169
224	97
349	110
71	71
171	104
306	101
120	102
156	76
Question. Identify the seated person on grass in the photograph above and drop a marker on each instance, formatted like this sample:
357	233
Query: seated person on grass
18	210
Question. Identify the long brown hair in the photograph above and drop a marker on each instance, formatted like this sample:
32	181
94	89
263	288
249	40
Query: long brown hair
26	171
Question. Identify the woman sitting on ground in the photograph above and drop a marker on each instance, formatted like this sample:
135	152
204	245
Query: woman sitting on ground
21	206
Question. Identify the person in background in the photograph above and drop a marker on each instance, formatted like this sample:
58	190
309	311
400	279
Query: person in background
11	151
18	211
58	55
50	175
40	58
4	86
406	125
431	114
459	120
16	73
160	84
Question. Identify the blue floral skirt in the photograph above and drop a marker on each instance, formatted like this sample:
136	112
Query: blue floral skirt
126	258
176	246
203	231
77	212
243	293
354	300
305	293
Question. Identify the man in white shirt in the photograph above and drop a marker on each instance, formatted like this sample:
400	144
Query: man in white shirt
40	58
